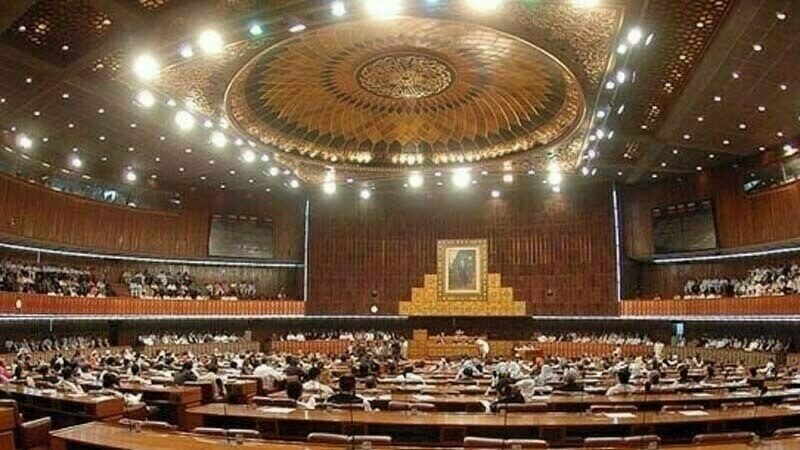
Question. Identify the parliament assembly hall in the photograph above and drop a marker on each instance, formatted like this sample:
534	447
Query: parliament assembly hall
399	224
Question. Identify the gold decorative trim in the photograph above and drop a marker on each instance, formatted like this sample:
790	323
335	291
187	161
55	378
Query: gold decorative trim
499	301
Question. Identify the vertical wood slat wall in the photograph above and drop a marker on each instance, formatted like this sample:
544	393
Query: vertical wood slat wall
39	213
538	241
768	217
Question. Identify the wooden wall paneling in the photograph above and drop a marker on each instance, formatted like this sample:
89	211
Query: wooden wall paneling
38	213
537	241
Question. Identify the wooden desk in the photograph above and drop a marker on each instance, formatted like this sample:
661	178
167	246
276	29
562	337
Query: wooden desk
450	428
238	391
7	420
65	409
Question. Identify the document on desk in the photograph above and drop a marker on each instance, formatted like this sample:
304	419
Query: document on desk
276	409
620	415
423	397
693	413
702	394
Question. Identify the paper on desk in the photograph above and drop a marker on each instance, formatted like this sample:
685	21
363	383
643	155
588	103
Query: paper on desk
701	394
693	412
793	407
621	415
534	398
276	409
423	397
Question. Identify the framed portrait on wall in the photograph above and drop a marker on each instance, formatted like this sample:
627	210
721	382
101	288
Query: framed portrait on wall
462	269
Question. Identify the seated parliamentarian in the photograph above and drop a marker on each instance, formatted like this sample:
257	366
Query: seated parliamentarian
294	390
623	386
347	393
312	384
506	393
408	376
186	373
570	382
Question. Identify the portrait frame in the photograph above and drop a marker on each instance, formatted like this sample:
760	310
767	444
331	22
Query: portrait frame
462	266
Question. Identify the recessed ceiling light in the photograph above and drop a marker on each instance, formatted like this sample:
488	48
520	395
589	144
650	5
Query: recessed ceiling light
297	28
181	169
687	136
101	111
735	75
65	95
726	142
717	98
232	172
23	141
783	86
675	151
294	184
700	118
29	80
130	149
700	24
610	85
145	98
365	194
210	42
761	148
663	164
758	47
508	178
218	139
187	150
248	156
157	159
145	67
495	193
415	179
37	113
779	134
780	15
742	126
211	162
104	158
655	175
130	176
622	49
761	108
699	168
634	35
186	51
711	156
101	138
184	120
255	30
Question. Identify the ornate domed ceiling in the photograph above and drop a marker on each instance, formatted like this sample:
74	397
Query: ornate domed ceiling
405	92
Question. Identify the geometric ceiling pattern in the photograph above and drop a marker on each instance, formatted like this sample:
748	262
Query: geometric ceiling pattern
404	92
719	82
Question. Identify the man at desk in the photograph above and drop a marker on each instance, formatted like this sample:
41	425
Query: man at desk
347	393
408	376
623	386
186	373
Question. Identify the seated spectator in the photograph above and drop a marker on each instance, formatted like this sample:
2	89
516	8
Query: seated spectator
623	386
294	390
347	393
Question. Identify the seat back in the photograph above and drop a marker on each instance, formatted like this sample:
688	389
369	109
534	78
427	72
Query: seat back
374	439
716	438
210	431
328	438
738	405
639	441
482	442
407	406
526	443
599	409
156	425
244	432
11	403
784	432
687	407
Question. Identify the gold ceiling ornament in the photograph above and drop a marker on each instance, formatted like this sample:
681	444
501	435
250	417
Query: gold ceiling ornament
405	76
367	92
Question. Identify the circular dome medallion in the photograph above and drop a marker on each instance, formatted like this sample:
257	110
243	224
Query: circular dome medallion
405	76
406	91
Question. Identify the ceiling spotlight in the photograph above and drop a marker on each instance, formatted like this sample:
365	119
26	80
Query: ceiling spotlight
742	126
415	179
634	35
495	193
584	170
600	114
783	86
208	123
386	8
184	120
555	177
294	184
76	162
649	39
620	110
171	103
145	67
717	98
365	194
264	158
621	76
210	42
274	171
130	176
186	51
461	177
218	139
622	49
338	9
329	187
762	108
556	188
248	156
483	5
700	118
610	85
699	168
255	30
23	141
780	15
297	28
508	178
687	136
758	47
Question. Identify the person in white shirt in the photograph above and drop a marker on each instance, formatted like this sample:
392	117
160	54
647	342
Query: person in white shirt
268	374
623	387
408	376
483	347
314	386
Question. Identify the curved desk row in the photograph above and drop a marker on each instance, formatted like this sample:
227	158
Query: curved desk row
558	428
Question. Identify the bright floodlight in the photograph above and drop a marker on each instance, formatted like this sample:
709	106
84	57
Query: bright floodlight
461	178
508	178
145	98
76	162
274	171
383	8
338	9
483	5
186	51
256	30
248	156
365	194
634	35
555	178
415	179
145	67
184	120
210	42
294	184
23	141
329	187
218	139
130	176
495	194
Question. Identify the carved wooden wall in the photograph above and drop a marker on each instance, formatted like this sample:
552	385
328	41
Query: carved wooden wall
38	213
538	242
